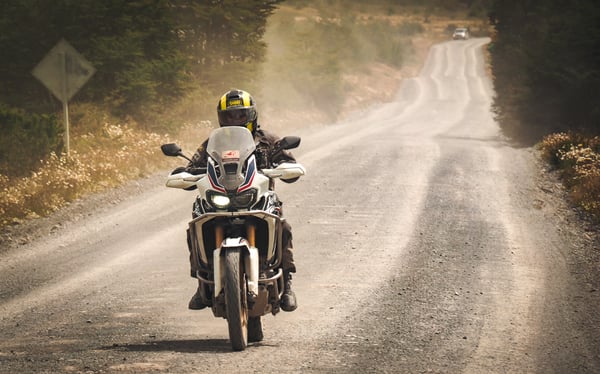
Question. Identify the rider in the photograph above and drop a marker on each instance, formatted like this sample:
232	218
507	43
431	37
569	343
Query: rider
237	108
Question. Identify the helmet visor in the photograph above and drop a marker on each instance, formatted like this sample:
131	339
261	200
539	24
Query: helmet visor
237	116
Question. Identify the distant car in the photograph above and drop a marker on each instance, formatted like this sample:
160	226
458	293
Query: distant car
461	33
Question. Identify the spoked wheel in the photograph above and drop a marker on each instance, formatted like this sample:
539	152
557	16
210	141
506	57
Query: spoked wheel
255	333
235	299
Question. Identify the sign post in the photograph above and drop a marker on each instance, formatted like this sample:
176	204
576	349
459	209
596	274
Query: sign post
64	71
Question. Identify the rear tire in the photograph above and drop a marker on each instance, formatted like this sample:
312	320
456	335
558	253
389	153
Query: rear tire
235	300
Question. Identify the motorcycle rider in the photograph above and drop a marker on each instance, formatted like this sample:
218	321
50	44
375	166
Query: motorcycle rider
237	108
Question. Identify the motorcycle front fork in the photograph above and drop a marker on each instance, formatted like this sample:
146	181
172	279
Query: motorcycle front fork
250	235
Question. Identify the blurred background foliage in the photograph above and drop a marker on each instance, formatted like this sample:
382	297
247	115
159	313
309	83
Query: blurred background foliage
27	138
148	55
546	64
545	58
162	64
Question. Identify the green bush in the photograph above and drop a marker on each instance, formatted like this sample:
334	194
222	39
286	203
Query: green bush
26	139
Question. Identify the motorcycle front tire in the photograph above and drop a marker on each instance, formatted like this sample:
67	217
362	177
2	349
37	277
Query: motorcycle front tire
235	299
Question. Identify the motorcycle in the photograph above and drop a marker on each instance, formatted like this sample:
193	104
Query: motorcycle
235	237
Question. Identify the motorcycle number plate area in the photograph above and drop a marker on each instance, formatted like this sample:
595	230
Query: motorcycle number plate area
229	156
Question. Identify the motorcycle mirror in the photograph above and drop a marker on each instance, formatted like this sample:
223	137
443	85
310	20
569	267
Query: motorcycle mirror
289	142
171	149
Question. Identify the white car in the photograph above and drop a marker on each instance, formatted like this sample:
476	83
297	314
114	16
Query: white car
461	33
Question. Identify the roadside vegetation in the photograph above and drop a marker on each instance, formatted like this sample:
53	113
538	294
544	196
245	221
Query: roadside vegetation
545	60
107	158
157	64
577	158
161	67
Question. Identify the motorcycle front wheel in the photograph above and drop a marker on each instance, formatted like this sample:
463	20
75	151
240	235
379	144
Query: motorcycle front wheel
235	299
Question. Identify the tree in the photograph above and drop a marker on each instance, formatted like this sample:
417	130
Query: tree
128	42
546	61
222	38
147	55
145	51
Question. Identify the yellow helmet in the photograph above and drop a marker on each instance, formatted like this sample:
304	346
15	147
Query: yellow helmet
237	108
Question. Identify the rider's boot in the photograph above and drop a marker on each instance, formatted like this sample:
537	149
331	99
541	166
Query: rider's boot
196	302
288	300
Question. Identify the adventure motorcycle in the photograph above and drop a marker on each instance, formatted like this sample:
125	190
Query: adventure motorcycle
235	238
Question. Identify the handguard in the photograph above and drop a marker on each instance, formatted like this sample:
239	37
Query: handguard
286	170
182	180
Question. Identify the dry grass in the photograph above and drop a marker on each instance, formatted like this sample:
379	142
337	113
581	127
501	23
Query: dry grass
578	159
107	158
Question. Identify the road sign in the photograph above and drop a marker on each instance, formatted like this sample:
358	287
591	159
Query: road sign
64	71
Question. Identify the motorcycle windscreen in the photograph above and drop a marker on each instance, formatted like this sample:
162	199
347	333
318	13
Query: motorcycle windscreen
230	147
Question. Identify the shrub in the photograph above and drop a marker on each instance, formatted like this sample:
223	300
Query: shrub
26	139
578	159
553	145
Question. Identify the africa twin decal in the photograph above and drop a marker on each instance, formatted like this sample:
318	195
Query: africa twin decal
230	156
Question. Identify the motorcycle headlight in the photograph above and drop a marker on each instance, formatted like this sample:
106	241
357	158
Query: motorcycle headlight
243	200
219	201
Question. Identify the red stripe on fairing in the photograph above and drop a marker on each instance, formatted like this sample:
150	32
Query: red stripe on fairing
215	187
249	177
211	176
249	184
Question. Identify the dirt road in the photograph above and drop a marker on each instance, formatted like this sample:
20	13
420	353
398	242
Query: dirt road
425	242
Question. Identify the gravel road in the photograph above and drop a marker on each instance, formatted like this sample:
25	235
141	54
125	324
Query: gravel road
425	242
